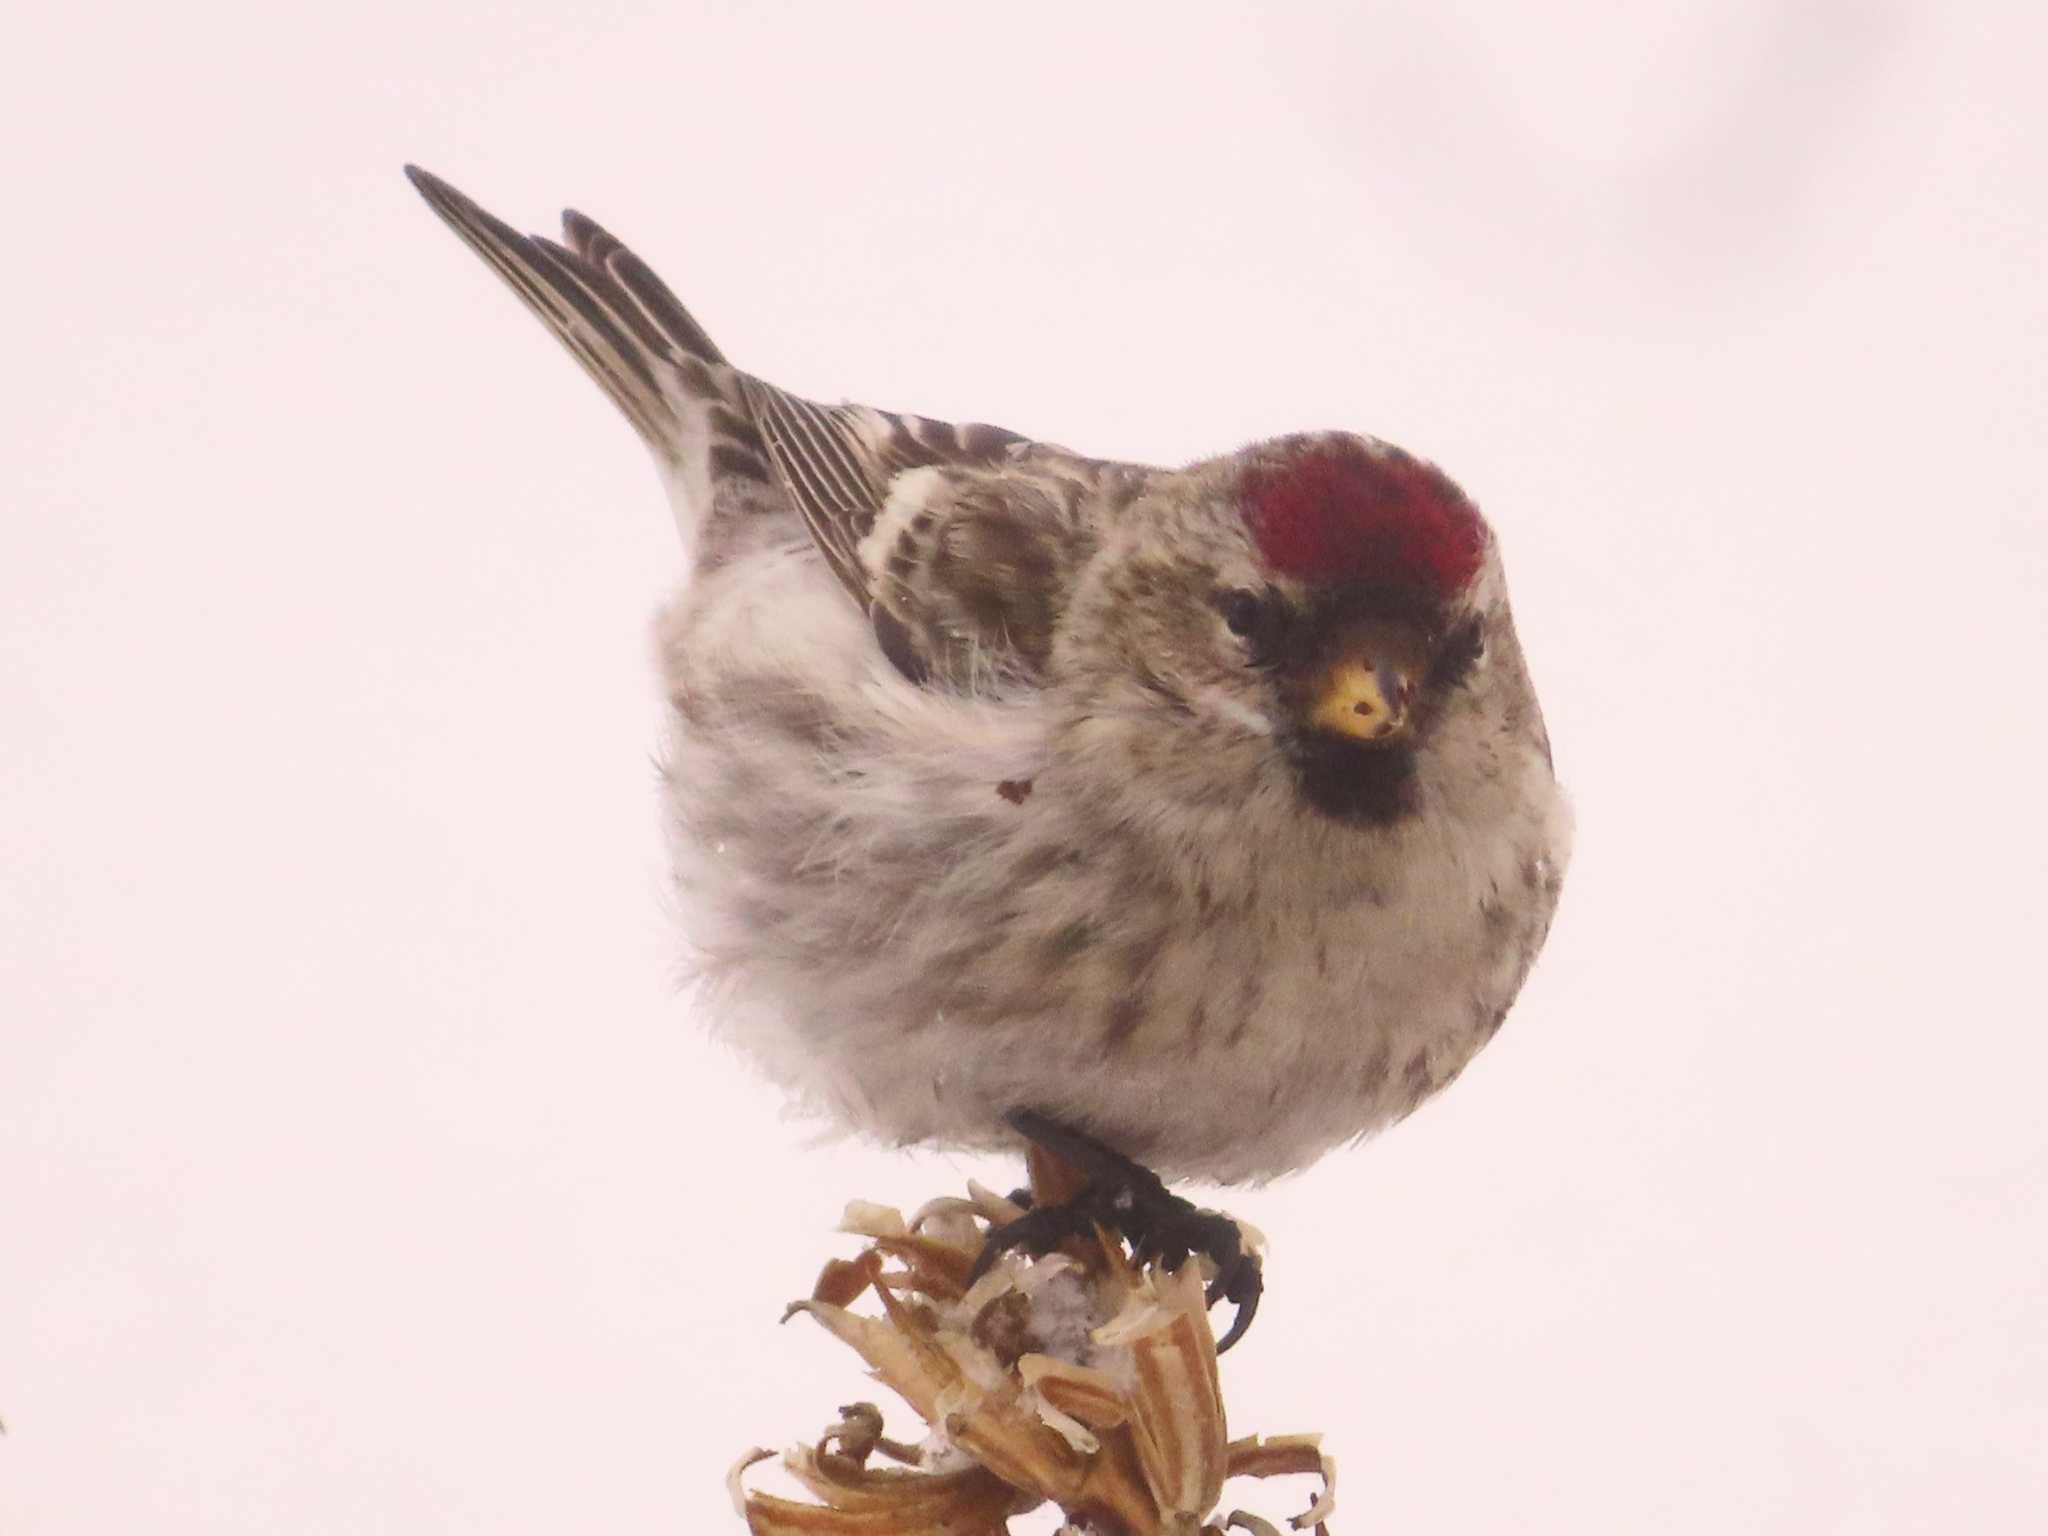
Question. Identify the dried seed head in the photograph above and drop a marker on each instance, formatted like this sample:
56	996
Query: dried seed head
1076	1377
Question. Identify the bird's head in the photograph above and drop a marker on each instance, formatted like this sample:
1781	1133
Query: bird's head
1327	601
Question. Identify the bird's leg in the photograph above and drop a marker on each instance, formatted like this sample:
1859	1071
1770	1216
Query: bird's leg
1130	1199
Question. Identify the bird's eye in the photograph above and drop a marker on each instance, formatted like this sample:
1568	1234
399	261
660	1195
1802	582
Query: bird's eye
1461	650
1241	611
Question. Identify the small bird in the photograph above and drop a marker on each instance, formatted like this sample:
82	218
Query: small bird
1201	817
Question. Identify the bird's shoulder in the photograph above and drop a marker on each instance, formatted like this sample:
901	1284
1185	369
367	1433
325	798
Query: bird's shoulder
970	566
962	540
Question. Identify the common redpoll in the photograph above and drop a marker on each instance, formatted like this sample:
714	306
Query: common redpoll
1206	811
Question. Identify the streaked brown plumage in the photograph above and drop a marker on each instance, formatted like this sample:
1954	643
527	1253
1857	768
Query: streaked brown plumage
1004	777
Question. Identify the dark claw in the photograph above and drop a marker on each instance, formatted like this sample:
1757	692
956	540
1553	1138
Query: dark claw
1241	1285
1130	1199
1037	1232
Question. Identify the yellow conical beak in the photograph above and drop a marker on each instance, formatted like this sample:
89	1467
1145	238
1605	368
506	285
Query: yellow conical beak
1362	700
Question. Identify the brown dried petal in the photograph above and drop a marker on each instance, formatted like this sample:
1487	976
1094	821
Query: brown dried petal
996	1209
954	1218
983	1416
845	1485
883	1502
915	1369
1080	1391
865	1218
1285	1456
1177	1418
1115	1486
994	1425
843	1281
941	1267
1275	1456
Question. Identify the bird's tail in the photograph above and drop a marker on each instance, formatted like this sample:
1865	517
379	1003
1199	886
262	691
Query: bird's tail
620	321
645	351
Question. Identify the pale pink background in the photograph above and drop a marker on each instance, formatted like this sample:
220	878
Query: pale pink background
359	1170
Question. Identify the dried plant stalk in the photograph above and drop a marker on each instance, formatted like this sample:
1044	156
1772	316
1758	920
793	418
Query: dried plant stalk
1078	1378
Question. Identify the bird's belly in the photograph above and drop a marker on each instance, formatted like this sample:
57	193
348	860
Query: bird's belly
1204	1044
1253	1056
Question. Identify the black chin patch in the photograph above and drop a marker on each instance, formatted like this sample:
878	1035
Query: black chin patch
1353	781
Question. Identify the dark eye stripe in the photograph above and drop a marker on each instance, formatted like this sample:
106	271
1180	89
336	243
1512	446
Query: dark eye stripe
1456	656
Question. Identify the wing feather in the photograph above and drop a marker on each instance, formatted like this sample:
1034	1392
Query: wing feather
826	488
970	579
974	577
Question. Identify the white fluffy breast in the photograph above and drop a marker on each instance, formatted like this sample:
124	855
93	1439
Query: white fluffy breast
917	914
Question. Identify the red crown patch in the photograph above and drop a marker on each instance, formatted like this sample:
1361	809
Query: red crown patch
1337	511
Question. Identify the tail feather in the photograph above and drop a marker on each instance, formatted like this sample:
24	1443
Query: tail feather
620	321
636	281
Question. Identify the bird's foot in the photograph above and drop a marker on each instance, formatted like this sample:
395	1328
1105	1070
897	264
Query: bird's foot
1131	1200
